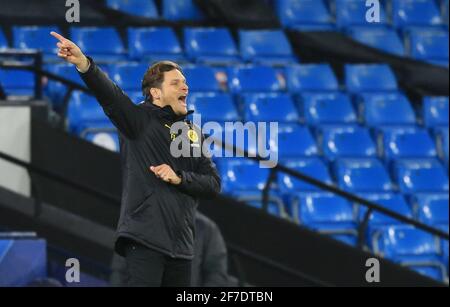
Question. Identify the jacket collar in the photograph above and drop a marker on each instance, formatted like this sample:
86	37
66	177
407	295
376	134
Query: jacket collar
166	112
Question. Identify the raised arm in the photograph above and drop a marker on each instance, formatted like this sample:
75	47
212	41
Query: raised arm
125	115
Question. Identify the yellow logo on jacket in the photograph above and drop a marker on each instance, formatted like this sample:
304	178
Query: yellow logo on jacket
192	135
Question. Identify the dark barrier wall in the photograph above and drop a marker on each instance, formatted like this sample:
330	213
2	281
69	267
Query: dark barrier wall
265	250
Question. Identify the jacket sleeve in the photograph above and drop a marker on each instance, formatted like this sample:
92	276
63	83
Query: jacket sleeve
203	182
129	119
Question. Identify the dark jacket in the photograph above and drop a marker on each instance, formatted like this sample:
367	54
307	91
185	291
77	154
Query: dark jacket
209	266
154	213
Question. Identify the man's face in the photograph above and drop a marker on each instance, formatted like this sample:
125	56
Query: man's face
174	91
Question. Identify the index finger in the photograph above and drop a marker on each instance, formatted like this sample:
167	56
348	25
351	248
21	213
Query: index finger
58	36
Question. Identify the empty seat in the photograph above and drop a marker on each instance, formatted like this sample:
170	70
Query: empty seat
420	175
369	78
362	175
275	204
17	82
154	44
432	209
386	109
141	8
254	79
56	90
346	141
202	79
266	107
329	214
266	47
391	201
34	37
327	108
301	12
430	45
354	12
313	167
103	44
84	111
3	41
210	45
294	141
135	96
177	10
435	111
106	139
406	142
381	38
311	77
242	174
128	76
415	13
213	106
441	135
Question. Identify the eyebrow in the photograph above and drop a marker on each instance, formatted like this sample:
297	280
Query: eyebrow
176	80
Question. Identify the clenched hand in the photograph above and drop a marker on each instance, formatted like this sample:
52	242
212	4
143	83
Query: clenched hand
166	173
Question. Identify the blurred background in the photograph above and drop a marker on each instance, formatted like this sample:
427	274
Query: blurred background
362	109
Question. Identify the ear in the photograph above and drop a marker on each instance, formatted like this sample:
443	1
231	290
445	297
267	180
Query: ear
155	92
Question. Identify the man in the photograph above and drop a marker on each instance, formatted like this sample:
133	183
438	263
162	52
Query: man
210	263
160	192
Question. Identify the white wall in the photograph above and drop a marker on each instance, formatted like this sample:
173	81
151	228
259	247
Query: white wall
15	124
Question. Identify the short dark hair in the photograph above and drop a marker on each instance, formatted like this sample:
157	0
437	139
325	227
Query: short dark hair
154	76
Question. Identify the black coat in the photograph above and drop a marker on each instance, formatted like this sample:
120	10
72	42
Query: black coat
154	213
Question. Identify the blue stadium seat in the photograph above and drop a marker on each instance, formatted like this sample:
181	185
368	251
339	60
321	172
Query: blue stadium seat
406	142
391	201
266	47
313	167
254	79
103	44
107	139
328	214
141	8
311	77
346	141
17	82
266	107
202	79
3	41
435	111
294	141
154	44
56	90
415	13
381	38
302	12
128	76
327	108
436	271
432	209
242	175
369	78
420	175
362	175
410	247
441	135
430	45
353	12
254	199
181	10
386	109
213	106
84	111
34	37
210	45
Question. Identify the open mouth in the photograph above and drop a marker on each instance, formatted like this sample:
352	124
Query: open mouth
182	100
